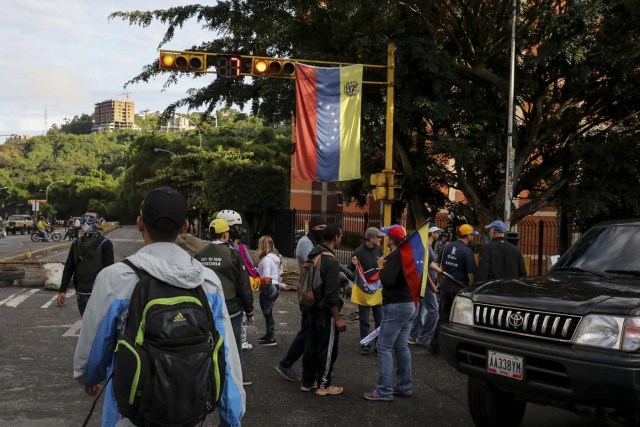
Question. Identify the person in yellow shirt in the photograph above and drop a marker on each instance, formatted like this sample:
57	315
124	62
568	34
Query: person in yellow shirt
42	228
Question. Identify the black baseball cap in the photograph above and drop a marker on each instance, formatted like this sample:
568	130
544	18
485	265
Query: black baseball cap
163	202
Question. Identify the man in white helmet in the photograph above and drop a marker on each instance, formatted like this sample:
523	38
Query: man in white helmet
236	233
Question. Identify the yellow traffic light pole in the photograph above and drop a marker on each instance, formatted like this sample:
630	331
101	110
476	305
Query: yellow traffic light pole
196	61
388	152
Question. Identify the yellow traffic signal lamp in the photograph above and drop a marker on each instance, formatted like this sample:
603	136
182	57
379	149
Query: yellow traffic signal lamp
260	66
395	181
273	67
379	181
193	62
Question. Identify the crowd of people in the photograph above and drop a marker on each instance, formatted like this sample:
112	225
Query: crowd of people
115	298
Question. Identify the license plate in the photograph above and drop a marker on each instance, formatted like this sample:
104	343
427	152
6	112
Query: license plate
505	364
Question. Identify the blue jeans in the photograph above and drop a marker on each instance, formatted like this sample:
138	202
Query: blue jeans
424	324
397	320
363	315
268	296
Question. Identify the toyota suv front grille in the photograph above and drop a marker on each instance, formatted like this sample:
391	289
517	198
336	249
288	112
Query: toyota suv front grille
526	322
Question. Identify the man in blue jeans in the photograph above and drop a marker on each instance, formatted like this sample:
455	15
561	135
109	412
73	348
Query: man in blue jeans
398	311
424	324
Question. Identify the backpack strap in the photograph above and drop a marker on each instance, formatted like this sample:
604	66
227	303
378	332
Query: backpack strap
80	257
316	260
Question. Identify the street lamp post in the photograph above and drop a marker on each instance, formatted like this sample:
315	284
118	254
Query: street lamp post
156	149
46	194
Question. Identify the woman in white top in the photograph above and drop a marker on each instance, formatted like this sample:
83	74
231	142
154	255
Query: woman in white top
270	269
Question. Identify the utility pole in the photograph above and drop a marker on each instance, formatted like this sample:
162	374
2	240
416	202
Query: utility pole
508	181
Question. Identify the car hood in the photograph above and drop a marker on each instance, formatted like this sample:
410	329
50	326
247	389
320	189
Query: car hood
563	292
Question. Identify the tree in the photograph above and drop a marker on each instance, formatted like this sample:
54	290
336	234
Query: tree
576	79
78	125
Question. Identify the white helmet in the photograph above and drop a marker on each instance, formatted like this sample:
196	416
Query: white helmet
232	217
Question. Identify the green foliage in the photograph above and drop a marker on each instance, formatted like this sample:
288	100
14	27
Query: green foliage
576	77
78	125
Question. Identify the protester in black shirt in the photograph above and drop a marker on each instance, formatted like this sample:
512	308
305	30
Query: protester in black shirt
325	322
500	259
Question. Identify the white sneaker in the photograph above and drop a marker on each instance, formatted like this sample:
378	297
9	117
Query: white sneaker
246	346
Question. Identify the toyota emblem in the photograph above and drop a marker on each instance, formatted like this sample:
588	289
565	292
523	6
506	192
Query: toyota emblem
516	320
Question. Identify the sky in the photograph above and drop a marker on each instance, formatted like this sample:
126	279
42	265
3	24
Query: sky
66	55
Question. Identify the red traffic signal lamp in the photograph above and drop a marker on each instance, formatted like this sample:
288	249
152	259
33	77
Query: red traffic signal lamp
193	62
273	67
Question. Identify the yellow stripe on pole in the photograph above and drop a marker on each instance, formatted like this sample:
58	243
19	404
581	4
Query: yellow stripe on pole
424	235
350	110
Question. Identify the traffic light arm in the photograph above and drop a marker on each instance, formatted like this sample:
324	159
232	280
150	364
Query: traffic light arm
246	66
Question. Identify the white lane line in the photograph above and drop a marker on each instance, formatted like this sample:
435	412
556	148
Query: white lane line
282	312
74	330
71	293
10	296
21	298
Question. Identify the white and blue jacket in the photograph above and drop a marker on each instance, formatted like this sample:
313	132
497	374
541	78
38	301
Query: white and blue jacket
103	322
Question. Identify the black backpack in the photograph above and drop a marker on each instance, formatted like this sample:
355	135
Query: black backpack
169	363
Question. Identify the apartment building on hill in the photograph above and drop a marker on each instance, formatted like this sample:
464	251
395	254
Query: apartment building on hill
112	115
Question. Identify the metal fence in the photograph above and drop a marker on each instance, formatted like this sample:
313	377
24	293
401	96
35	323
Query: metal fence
538	238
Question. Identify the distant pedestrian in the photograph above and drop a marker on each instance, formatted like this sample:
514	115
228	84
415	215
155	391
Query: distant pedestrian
270	269
398	312
459	271
325	322
368	300
440	244
424	324
500	259
306	243
88	255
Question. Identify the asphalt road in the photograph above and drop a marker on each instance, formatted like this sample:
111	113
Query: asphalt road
37	342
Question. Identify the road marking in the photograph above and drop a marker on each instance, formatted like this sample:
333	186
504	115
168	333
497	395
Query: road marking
71	293
19	299
74	330
282	312
9	297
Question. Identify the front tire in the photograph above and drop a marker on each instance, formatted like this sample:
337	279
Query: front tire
56	237
490	407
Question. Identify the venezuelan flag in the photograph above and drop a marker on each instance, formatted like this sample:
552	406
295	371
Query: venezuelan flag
368	289
415	260
328	106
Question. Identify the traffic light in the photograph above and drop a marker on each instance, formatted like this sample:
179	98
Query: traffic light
172	61
273	67
395	180
379	180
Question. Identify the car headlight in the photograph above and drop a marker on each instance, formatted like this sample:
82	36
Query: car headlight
631	335
462	311
600	331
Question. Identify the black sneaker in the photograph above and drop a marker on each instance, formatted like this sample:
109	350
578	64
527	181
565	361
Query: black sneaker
267	342
365	351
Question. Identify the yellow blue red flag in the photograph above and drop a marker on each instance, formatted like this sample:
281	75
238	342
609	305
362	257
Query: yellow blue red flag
328	109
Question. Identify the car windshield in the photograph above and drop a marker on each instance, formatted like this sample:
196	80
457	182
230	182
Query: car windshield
604	249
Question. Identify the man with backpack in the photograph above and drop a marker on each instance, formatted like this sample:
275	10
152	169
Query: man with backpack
88	255
157	326
325	321
229	267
